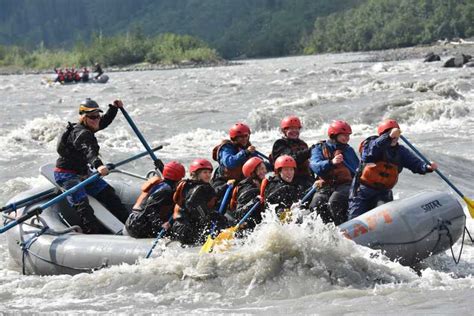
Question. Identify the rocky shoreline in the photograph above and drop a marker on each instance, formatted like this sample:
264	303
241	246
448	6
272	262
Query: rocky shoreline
444	49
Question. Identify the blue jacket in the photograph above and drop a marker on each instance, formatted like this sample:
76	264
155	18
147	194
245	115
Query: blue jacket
232	157
320	165
379	148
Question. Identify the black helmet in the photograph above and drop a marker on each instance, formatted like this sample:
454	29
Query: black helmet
89	106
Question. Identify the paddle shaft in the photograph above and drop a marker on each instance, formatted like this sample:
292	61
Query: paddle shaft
223	205
308	195
38	210
252	209
158	237
429	163
140	136
14	205
262	155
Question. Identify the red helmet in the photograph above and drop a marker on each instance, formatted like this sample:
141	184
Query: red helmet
239	129
250	166
290	121
386	125
173	170
199	164
285	161
339	127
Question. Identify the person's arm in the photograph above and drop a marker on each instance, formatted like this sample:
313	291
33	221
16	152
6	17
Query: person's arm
280	148
110	115
410	161
374	150
350	157
302	155
229	159
318	163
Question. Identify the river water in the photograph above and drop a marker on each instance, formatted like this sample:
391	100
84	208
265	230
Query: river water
292	269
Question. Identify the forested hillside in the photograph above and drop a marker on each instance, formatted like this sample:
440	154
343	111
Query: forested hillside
381	24
234	27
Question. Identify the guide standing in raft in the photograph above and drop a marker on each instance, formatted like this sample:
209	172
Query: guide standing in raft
78	149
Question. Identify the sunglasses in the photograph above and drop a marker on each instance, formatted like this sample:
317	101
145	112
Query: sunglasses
93	117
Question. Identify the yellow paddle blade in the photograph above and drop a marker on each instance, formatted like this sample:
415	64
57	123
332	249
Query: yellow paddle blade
470	205
285	216
208	245
222	240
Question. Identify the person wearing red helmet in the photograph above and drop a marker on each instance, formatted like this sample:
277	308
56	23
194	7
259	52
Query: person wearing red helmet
60	75
85	74
154	206
281	189
68	75
246	193
291	144
334	162
382	159
195	207
231	154
75	74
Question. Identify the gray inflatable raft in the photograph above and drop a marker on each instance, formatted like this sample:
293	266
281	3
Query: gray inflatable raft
411	229
407	230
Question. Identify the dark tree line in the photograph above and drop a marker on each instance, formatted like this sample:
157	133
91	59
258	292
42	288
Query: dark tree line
382	24
252	28
234	28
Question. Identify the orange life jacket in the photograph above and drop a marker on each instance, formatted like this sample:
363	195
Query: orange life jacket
263	187
233	199
381	175
145	194
340	174
146	187
228	174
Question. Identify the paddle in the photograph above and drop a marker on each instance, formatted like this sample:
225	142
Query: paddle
38	210
142	139
262	155
209	244
159	236
469	202
229	233
14	205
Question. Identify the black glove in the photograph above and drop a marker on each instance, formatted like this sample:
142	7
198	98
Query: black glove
159	164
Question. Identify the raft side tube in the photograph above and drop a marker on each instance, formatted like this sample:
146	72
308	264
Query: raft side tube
410	229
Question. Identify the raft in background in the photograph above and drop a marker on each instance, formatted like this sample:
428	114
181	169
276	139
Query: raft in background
102	79
407	230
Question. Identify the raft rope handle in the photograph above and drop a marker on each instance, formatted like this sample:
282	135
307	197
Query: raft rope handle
469	234
462	243
64	266
441	226
25	245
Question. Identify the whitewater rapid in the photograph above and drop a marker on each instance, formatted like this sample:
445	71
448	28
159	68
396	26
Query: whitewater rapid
297	269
